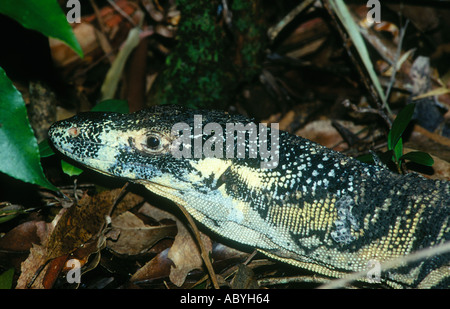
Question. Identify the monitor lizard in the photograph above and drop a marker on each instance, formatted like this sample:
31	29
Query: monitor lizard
316	209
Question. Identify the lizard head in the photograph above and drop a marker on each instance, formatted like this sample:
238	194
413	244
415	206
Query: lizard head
141	146
133	146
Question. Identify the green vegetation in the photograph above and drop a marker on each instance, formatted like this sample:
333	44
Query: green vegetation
6	279
19	155
44	16
209	63
395	141
395	154
16	135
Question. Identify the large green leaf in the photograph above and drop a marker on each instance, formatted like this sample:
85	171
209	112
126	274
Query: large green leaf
44	16
19	153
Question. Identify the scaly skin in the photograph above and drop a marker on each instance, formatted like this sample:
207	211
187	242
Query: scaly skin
317	209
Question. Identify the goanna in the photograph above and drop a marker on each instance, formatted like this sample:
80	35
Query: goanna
316	208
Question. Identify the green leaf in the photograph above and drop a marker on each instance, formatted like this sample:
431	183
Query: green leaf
399	125
19	153
6	279
398	150
112	105
44	16
419	157
45	150
70	169
389	141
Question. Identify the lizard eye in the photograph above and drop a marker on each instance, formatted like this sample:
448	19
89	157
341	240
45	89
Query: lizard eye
153	142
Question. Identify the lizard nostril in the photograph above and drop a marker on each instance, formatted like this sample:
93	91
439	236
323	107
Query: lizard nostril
73	132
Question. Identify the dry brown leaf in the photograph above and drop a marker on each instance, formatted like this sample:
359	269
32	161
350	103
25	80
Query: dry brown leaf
36	258
244	278
323	132
135	237
79	224
156	213
82	222
21	237
158	267
73	227
185	254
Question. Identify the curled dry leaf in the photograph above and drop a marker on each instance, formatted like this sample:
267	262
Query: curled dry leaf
156	268
80	223
135	237
37	256
184	252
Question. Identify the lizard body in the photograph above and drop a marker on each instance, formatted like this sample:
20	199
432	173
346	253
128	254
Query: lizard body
316	209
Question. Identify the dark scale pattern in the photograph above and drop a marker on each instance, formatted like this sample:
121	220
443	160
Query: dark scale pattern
317	209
